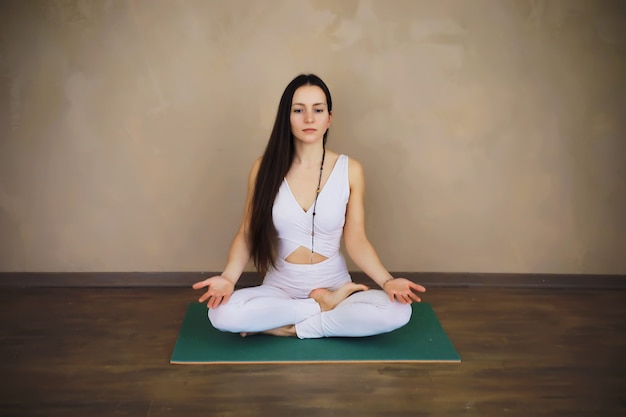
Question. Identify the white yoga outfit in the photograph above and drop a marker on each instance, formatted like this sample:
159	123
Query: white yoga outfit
283	297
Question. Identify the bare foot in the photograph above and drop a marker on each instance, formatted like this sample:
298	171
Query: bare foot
286	331
330	299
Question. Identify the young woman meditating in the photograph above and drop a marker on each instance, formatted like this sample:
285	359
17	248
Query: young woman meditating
301	199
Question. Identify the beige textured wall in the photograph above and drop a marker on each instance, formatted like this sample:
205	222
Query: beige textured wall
492	132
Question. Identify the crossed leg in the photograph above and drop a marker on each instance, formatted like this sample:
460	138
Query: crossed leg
327	301
347	311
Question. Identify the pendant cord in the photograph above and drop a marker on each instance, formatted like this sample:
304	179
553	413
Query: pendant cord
317	193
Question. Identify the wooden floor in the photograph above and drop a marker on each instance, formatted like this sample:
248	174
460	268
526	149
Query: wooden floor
105	352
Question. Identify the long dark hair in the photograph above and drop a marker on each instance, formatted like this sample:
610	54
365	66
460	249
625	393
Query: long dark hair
275	164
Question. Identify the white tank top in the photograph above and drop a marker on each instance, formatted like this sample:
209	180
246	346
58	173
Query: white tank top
293	224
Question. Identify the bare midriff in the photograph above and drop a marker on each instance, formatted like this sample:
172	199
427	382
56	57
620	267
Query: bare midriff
302	255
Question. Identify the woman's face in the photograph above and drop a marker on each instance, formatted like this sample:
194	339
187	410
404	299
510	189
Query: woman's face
309	114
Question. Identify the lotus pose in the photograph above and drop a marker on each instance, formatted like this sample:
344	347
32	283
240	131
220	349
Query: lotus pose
301	199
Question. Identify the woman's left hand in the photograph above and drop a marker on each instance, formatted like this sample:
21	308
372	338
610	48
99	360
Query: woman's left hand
403	290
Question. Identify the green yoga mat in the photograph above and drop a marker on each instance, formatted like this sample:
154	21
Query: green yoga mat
421	340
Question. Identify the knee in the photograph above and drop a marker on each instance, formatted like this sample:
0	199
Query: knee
389	315
223	318
399	316
396	314
404	314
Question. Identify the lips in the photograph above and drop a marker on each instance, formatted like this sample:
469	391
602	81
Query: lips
309	130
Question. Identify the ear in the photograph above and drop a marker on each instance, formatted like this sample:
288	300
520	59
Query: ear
330	117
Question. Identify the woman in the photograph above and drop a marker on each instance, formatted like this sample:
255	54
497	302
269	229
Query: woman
301	198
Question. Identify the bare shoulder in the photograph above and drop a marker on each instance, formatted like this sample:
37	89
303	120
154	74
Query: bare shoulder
355	172
331	156
256	165
354	164
254	170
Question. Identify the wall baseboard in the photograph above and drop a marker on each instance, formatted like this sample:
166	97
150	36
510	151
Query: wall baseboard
428	279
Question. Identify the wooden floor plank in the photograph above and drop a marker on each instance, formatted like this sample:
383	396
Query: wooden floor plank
105	351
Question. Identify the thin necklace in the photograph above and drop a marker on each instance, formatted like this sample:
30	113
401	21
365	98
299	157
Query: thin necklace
317	193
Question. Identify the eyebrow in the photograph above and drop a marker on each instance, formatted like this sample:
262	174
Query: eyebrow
302	104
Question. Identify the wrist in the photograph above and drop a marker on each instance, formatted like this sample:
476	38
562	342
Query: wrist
386	281
228	277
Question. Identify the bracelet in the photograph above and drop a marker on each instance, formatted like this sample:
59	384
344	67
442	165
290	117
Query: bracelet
390	279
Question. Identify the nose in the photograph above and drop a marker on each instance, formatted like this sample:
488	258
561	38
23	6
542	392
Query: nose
309	117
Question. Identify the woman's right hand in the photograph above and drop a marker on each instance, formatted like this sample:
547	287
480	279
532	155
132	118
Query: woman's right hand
218	291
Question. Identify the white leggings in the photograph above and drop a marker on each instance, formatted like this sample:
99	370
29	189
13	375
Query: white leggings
283	299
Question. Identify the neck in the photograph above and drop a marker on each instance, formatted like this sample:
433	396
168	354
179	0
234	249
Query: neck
308	153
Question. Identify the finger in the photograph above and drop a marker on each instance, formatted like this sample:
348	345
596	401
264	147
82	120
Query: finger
400	298
200	284
204	297
417	287
216	301
415	297
226	298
